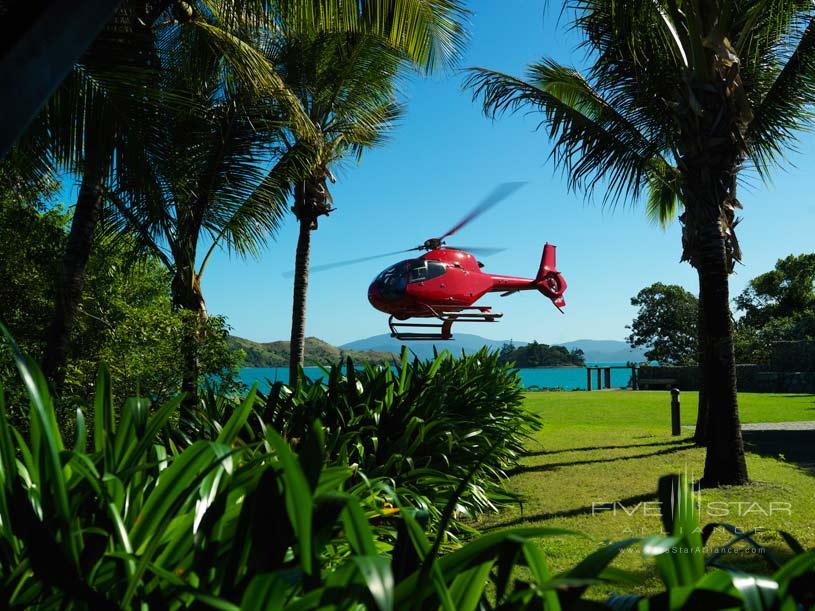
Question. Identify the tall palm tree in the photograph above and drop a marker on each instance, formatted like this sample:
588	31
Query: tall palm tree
347	84
213	175
678	99
95	122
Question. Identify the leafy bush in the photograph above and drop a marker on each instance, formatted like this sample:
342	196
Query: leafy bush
422	426
133	523
125	318
222	524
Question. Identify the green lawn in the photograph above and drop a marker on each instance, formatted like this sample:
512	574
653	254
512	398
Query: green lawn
605	447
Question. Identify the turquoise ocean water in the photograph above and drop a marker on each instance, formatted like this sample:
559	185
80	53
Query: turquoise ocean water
568	378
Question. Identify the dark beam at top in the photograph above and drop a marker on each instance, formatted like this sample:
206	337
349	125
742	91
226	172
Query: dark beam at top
40	40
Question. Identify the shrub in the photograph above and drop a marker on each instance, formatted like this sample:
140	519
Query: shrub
132	523
422	426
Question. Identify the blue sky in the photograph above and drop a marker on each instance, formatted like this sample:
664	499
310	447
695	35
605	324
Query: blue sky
445	156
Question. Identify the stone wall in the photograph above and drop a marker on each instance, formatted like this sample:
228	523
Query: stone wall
687	378
791	369
792	356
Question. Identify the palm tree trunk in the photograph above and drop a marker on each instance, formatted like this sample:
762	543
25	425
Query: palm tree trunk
724	462
72	276
311	201
701	432
701	429
298	312
187	297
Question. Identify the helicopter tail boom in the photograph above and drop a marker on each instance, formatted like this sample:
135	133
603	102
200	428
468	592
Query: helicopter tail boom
549	281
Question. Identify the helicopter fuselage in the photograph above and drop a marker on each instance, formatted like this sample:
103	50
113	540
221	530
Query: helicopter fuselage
445	279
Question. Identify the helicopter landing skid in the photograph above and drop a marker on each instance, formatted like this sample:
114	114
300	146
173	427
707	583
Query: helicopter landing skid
447	316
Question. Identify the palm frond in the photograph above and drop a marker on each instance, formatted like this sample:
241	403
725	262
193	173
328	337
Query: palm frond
429	33
664	193
255	70
126	221
244	224
27	172
589	143
569	86
786	108
637	62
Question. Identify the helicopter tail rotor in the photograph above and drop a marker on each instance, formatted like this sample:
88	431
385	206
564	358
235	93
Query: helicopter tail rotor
549	281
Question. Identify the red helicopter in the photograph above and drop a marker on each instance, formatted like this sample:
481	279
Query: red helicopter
445	282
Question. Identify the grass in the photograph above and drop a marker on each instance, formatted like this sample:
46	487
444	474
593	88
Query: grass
601	448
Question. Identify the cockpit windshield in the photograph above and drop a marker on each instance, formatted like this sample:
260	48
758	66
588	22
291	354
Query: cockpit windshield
393	280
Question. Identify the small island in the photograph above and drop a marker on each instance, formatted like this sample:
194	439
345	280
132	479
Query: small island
541	355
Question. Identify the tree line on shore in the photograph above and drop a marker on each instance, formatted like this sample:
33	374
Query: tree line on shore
540	355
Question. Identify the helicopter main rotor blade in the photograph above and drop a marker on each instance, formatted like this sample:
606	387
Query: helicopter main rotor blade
327	266
484	251
499	193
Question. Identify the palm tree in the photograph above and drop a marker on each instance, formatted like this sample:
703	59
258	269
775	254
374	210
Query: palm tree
347	85
678	99
207	180
95	120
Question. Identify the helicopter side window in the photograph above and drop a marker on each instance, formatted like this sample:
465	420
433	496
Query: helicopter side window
418	271
435	269
422	270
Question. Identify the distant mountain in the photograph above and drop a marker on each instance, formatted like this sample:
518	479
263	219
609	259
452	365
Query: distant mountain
461	341
596	351
318	352
606	350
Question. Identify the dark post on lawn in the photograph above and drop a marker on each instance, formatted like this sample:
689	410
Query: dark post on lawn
675	429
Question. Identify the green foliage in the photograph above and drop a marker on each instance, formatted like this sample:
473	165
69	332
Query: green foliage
127	321
785	292
132	523
125	317
694	579
30	243
777	305
666	323
540	355
420	426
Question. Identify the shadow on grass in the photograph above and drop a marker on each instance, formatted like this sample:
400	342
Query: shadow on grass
616	447
598	508
795	446
686	445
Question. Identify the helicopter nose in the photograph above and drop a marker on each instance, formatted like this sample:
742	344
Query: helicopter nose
375	294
